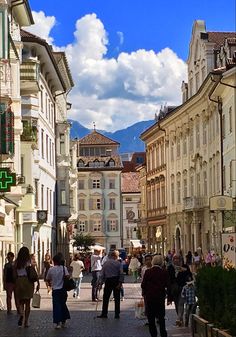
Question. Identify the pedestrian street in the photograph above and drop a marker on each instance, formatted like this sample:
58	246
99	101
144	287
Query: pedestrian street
84	321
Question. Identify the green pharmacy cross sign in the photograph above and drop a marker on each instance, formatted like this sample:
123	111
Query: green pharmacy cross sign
7	179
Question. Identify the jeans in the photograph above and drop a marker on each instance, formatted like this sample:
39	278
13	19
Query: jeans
77	285
94	283
60	310
181	308
189	310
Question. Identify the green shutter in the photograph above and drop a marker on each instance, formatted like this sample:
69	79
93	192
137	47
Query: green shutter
4	39
7	130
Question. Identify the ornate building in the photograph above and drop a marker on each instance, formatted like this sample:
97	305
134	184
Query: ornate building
199	146
99	189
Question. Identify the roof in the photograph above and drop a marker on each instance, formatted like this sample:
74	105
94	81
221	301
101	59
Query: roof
62	54
219	37
96	138
105	159
130	182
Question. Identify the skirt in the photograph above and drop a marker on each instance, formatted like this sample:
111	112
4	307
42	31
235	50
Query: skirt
24	288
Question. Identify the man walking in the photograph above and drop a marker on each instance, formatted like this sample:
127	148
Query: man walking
112	275
154	285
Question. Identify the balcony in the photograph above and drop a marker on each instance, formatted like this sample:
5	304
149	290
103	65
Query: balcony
191	203
29	133
29	77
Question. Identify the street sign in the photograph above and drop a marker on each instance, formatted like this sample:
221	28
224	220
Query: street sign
7	179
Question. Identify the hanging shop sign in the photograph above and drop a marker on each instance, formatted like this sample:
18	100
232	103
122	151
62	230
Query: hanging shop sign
229	250
7	179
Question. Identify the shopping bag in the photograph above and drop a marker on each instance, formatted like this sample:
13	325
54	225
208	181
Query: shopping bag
36	300
140	310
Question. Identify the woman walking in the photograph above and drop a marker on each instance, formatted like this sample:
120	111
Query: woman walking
55	279
24	287
134	266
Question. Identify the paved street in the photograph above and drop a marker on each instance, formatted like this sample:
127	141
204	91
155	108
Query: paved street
83	321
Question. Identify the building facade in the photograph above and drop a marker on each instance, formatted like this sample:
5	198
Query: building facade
99	190
199	145
13	15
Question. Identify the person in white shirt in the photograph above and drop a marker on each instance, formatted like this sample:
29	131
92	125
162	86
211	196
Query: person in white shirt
96	267
55	279
134	266
77	267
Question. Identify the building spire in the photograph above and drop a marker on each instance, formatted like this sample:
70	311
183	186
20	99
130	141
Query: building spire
94	126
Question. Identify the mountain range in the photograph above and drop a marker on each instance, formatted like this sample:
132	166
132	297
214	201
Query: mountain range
128	138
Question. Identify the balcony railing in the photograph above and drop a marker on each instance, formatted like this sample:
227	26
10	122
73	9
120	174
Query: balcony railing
29	133
190	203
29	76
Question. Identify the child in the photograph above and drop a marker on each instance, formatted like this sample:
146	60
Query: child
189	294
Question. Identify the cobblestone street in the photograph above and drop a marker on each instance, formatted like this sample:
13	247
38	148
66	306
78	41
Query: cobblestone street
83	321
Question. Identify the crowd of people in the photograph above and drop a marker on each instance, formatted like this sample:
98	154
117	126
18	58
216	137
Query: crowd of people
162	278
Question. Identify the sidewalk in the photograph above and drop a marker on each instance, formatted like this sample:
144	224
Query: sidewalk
83	321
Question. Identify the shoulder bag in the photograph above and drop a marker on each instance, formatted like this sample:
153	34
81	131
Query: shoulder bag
68	283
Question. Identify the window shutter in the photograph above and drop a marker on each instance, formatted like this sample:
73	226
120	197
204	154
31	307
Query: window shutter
108	225
86	226
7	130
4	36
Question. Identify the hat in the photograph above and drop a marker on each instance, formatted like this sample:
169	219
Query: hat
189	282
157	260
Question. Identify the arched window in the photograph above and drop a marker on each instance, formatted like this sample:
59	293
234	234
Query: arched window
80	163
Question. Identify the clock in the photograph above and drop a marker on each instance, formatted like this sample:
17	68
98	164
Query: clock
42	216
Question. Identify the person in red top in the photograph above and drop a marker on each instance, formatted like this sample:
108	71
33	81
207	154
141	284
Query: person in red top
155	287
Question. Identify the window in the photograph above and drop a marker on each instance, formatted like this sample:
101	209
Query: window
53	161
178	147
230	119
42	143
81	184
82	225
96	183
63	197
50	202
204	133
47	156
184	145
95	203
205	183
172	193
112	225
163	197
4	43
112	203
198	185
191	186
223	126
191	140
185	187
81	204
48	196
81	163
178	191
172	151
197	135
111	163
42	196
46	104
41	99
112	183
62	143
97	226
36	194
50	152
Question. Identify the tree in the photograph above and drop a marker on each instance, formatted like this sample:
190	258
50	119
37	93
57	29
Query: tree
83	241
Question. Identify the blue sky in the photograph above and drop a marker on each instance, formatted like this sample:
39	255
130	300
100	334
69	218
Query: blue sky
125	34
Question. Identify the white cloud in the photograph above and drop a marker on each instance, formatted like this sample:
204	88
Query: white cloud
121	37
116	93
43	25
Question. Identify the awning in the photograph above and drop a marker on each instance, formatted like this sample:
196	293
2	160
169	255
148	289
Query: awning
136	243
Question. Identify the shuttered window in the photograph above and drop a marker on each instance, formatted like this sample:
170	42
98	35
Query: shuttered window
6	130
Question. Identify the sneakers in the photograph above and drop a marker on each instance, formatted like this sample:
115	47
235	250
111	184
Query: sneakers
78	297
57	326
179	323
63	325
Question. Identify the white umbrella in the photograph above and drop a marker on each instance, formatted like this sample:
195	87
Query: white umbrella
97	247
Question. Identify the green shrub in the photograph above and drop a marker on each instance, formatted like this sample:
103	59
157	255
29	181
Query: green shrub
216	291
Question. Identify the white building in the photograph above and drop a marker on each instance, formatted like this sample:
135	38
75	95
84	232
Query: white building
13	15
99	190
45	82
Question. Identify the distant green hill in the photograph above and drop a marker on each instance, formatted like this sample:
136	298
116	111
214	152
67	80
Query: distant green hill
128	138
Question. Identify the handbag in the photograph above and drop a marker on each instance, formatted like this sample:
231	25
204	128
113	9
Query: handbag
68	283
36	300
140	310
31	274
